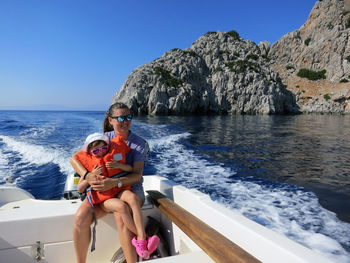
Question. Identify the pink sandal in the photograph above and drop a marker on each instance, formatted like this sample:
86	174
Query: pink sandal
141	248
152	243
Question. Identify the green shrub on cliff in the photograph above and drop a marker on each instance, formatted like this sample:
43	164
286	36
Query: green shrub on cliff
343	80
167	77
241	66
191	53
307	41
218	69
326	96
233	34
347	23
210	33
311	75
252	56
266	57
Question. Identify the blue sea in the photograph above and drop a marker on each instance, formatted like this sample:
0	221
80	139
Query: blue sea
288	173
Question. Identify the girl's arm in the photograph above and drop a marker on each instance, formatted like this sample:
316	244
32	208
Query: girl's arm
118	165
126	167
130	179
82	185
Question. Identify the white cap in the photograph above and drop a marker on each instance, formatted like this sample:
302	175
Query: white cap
94	137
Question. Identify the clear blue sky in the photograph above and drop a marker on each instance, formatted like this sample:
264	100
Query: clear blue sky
76	54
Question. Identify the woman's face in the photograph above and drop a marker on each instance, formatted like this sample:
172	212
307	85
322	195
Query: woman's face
120	128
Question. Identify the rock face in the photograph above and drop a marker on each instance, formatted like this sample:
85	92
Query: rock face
220	73
322	43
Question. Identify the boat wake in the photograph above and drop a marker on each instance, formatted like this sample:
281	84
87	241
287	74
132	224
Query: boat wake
286	209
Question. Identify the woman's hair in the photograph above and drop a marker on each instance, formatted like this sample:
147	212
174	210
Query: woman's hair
118	105
94	143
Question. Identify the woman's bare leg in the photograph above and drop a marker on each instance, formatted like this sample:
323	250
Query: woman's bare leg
119	206
134	202
81	229
125	237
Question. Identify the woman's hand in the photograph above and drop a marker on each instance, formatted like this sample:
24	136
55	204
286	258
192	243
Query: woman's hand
114	165
103	184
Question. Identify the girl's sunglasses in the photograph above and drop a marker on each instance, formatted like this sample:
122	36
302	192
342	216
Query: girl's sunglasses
98	150
122	118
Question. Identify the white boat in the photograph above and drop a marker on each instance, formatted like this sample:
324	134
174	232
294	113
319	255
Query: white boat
34	230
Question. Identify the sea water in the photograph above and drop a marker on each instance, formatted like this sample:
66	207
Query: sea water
288	173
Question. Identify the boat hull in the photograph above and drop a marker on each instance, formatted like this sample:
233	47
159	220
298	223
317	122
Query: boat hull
41	230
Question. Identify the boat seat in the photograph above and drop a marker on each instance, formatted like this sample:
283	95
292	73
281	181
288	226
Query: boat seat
34	219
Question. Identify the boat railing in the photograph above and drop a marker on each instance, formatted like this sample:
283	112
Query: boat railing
217	246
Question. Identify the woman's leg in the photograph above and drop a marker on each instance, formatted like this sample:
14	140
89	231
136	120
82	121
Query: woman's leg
134	202
125	237
81	229
119	206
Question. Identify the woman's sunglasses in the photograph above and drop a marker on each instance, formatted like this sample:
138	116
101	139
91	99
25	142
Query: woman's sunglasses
98	150
122	118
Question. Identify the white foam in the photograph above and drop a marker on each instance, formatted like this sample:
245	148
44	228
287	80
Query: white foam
37	154
189	167
3	167
285	209
38	131
295	214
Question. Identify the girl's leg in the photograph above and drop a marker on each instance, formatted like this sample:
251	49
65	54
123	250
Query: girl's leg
119	206
81	230
134	202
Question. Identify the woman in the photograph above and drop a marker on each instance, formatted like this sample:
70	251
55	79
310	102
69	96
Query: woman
117	122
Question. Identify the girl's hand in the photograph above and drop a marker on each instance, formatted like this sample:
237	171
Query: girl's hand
98	170
114	165
95	175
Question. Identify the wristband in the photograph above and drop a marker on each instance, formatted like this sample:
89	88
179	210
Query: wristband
84	177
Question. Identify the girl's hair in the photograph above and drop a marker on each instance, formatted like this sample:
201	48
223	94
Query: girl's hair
106	125
94	143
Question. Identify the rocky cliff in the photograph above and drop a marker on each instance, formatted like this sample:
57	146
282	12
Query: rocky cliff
321	44
219	73
222	73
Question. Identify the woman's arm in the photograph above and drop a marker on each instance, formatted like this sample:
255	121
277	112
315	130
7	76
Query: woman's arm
81	170
77	166
135	175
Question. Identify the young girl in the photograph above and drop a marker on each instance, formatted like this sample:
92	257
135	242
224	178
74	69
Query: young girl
97	155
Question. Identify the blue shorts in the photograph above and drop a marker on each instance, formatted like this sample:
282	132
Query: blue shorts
138	189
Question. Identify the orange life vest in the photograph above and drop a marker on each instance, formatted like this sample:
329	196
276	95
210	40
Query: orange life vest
117	151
